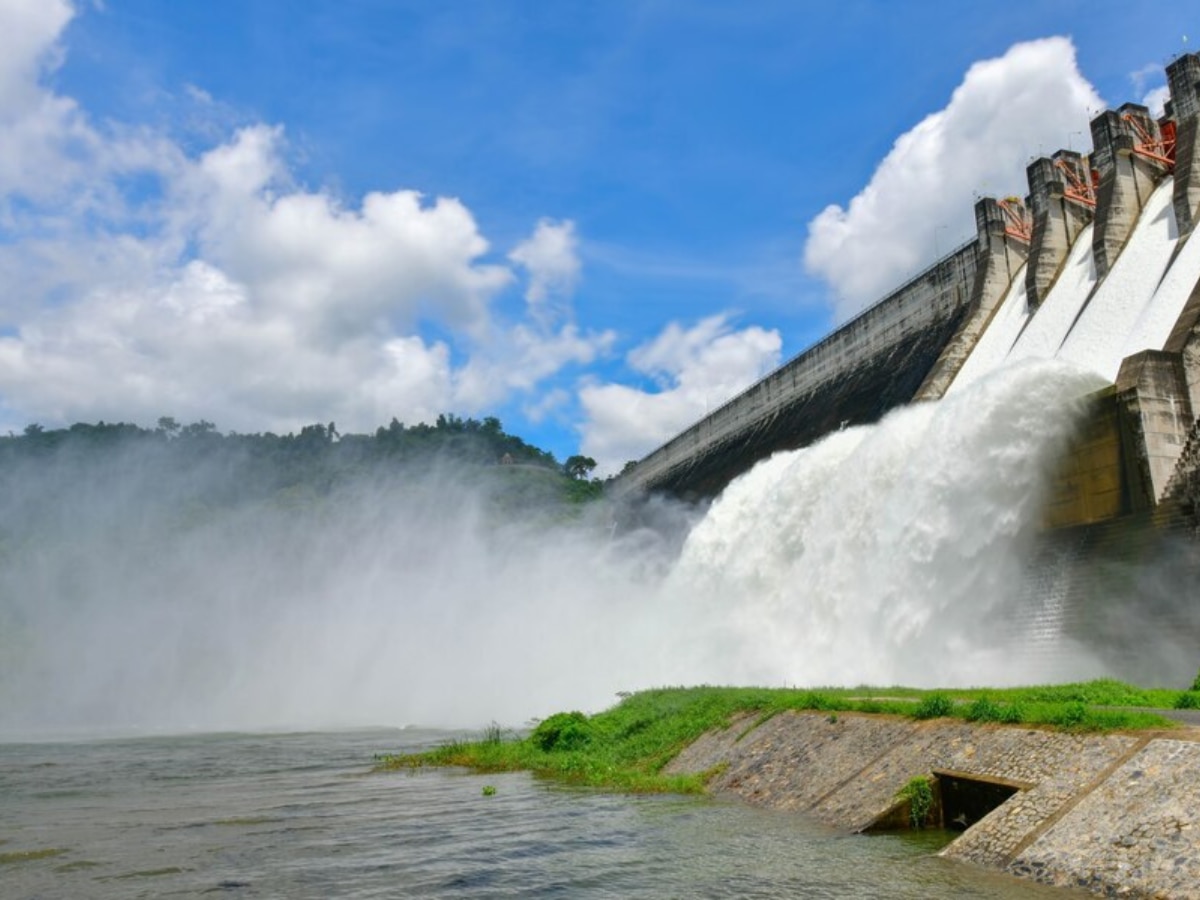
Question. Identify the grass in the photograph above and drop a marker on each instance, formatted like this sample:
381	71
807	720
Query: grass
627	747
30	855
919	794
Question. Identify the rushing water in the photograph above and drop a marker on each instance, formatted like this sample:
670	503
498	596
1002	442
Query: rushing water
891	553
298	816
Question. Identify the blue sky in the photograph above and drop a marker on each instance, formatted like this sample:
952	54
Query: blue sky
593	220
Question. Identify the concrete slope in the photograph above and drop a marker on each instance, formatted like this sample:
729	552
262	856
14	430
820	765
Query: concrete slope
1118	814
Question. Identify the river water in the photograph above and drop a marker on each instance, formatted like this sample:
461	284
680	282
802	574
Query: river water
300	816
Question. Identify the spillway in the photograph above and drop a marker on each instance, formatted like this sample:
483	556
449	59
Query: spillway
1044	333
1098	338
996	343
876	533
1097	326
1093	267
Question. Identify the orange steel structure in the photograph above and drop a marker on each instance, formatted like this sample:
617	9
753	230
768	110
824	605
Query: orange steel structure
1158	147
1079	188
1017	222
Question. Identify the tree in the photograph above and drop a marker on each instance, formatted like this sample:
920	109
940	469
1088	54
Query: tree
196	429
579	466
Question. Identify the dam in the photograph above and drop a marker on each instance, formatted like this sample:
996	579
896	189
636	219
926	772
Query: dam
1096	269
1094	266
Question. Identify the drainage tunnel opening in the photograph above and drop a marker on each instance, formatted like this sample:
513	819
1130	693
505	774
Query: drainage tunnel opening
967	799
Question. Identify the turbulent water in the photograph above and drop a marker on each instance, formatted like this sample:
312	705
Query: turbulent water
885	554
297	816
882	554
890	554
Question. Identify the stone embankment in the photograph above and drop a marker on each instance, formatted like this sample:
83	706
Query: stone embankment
1117	814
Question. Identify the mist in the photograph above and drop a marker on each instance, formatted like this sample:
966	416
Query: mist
129	604
133	601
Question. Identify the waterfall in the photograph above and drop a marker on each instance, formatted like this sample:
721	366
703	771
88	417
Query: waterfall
890	553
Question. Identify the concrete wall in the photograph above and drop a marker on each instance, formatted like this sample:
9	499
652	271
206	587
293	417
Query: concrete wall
1091	484
1183	79
912	344
870	365
1126	181
1128	451
1002	254
1115	814
1058	217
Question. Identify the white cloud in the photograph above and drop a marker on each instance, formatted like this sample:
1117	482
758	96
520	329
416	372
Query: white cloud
226	291
385	265
1156	99
517	359
550	256
1029	101
198	348
29	31
546	405
697	369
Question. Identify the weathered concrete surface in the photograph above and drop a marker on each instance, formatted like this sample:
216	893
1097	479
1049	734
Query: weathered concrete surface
872	364
1078	587
1126	180
1058	218
1003	254
1137	834
1118	814
1153	389
1183	78
911	344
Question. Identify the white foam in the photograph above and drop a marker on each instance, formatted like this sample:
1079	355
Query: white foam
1154	326
1050	323
997	339
884	554
1100	335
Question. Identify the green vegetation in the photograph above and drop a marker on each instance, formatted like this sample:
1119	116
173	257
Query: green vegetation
627	747
1188	700
985	709
919	794
194	470
21	856
933	706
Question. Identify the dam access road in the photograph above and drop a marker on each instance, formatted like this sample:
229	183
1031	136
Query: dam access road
1116	814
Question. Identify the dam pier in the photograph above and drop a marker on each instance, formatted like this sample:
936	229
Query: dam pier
912	344
1096	265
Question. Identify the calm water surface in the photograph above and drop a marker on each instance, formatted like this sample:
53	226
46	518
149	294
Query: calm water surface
298	816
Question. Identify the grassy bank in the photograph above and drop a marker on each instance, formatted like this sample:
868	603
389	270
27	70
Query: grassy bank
627	746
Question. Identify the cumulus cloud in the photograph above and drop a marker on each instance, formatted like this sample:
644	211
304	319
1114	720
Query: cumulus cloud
1156	100
29	30
385	264
222	289
919	200
550	257
1149	83
695	369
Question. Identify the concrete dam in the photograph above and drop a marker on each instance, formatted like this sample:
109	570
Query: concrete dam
1043	276
1096	266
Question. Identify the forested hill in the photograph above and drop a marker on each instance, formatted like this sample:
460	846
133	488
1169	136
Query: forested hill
316	460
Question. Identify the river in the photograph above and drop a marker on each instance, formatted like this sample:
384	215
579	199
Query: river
302	816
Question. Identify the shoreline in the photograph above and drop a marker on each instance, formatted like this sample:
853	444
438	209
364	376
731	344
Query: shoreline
1114	813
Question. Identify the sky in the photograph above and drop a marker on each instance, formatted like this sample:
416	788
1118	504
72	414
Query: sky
594	221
